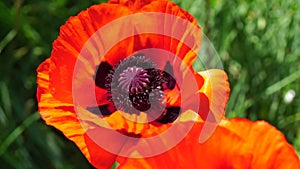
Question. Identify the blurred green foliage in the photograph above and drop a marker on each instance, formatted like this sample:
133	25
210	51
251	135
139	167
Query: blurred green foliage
258	42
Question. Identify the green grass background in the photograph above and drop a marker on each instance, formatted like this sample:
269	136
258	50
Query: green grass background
258	42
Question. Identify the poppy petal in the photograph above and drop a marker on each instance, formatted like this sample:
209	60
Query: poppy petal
67	47
125	138
165	27
269	146
236	143
216	89
63	117
212	93
103	161
189	153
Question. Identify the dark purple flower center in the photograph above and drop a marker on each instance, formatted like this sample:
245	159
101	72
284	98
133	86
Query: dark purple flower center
135	85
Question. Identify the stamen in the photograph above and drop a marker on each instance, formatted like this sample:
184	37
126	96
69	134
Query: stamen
170	115
101	79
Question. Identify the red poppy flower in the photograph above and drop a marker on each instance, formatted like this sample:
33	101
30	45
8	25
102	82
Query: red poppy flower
237	143
120	84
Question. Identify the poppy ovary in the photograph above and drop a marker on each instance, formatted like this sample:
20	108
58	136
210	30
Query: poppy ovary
136	84
134	79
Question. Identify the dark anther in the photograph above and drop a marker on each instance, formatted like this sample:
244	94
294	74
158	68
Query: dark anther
168	74
101	76
102	110
168	68
140	101
129	134
170	115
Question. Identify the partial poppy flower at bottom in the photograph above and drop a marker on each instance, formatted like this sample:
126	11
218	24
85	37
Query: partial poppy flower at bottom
184	108
236	144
